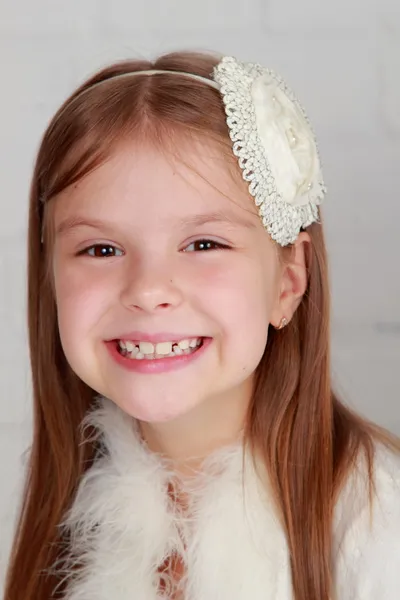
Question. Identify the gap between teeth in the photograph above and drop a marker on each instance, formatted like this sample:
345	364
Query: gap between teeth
160	350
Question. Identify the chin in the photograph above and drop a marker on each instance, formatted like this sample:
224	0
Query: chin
152	412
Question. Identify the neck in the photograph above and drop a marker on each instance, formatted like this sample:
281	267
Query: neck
189	439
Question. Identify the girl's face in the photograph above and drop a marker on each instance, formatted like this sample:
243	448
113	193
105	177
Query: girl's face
150	250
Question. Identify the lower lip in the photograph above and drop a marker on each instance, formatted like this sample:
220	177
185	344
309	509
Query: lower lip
156	365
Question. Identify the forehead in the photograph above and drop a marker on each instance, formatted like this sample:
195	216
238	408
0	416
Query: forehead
141	179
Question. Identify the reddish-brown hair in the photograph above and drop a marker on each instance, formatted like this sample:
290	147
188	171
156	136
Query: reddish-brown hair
309	439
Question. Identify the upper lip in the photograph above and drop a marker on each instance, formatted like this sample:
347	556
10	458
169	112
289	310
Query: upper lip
140	336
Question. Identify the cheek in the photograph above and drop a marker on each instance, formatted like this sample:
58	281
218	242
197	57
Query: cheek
81	301
241	299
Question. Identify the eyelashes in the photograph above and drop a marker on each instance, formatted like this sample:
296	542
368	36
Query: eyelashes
100	251
110	251
206	245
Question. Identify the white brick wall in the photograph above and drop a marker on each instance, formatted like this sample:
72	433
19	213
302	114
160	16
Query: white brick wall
343	59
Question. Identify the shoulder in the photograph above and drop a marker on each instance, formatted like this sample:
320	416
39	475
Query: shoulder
367	536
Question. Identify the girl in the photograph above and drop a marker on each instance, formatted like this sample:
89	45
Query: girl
187	440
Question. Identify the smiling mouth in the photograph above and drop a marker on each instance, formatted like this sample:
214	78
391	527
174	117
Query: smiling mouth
149	351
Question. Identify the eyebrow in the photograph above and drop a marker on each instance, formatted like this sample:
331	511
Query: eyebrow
74	222
220	217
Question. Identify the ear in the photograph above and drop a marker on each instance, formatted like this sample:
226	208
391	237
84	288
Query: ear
293	279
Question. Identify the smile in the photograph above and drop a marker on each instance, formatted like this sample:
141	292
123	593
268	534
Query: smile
149	351
145	357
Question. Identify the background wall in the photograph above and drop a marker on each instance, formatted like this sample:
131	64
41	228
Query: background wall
343	59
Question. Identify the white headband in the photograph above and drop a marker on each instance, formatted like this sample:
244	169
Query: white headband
131	74
272	139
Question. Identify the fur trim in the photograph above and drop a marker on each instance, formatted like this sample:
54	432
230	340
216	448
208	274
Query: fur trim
123	524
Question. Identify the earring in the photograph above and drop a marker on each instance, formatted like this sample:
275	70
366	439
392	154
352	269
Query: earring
283	323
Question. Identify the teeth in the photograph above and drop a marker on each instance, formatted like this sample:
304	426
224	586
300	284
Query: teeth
148	350
184	344
163	348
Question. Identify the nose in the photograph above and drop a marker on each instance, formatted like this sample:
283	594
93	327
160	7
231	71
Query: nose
150	287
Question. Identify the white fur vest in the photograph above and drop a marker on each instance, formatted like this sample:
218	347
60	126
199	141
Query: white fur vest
124	524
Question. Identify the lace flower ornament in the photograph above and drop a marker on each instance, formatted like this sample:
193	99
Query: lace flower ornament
275	146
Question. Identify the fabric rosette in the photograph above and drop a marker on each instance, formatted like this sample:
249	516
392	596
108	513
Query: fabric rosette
275	146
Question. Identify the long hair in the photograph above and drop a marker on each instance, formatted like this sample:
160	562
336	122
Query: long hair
308	438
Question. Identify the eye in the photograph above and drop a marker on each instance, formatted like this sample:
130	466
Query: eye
205	245
101	251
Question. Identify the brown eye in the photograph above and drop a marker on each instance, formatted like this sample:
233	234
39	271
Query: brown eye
101	251
205	245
